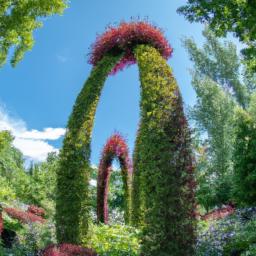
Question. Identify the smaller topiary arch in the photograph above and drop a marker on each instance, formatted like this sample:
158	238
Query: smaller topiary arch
115	147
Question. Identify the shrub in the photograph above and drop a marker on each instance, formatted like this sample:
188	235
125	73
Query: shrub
24	217
67	250
36	210
116	240
233	235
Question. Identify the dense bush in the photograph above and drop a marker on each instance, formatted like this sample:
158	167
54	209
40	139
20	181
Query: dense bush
116	240
137	215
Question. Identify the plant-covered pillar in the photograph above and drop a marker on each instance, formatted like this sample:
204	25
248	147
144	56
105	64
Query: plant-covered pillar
166	170
166	184
137	211
115	147
72	199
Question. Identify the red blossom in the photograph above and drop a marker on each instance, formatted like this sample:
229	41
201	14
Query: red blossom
67	250
124	38
24	217
36	210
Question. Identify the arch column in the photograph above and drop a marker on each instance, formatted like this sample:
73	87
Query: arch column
166	181
72	197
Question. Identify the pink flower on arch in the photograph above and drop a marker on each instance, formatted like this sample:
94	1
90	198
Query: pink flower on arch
124	38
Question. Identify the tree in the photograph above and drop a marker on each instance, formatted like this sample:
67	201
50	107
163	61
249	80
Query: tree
33	186
18	20
236	16
11	159
42	184
245	156
216	80
225	116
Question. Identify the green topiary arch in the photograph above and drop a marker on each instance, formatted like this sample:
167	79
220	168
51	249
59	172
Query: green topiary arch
163	174
115	147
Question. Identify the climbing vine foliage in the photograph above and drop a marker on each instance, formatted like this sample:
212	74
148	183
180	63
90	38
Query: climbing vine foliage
115	148
163	180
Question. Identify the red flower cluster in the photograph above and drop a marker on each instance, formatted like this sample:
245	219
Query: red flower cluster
124	38
116	147
36	210
24	217
67	250
219	213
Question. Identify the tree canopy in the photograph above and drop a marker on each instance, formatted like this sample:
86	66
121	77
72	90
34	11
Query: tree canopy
18	20
236	16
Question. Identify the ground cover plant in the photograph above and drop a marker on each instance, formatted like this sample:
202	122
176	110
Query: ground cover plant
233	235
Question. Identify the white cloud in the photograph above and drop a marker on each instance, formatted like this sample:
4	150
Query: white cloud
35	149
32	143
46	134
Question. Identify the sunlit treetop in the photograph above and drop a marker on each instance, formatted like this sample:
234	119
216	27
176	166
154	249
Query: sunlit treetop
18	20
123	38
236	16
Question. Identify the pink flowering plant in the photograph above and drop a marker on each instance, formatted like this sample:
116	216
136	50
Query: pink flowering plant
67	250
22	216
39	211
123	38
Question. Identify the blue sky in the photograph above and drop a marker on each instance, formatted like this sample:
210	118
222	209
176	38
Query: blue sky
40	92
